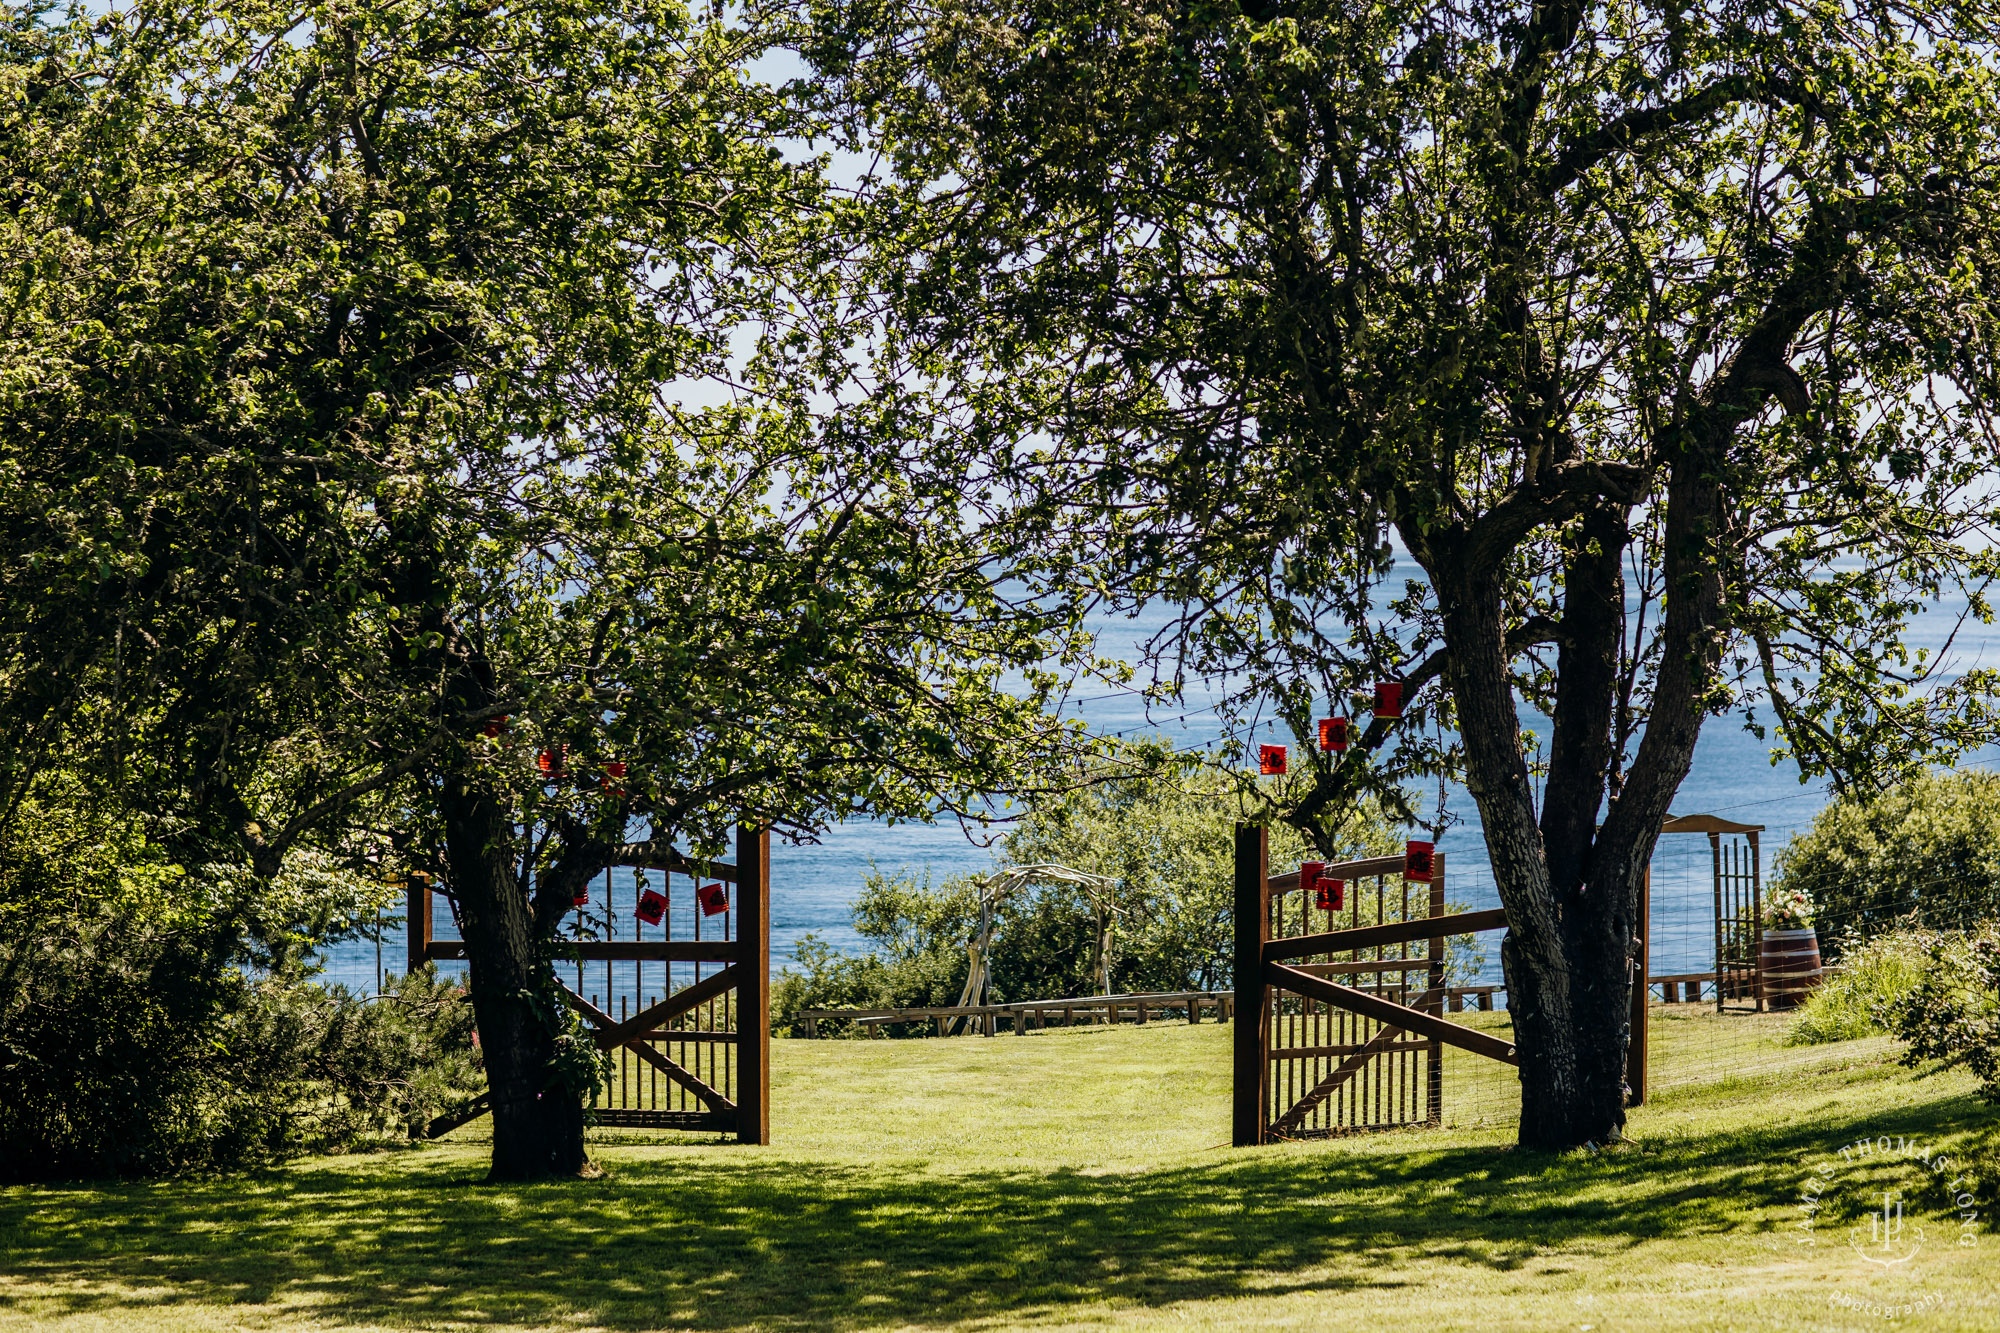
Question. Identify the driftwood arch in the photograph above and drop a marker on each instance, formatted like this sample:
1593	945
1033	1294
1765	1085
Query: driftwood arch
1004	884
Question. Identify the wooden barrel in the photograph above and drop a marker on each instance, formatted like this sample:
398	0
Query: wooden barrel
1789	963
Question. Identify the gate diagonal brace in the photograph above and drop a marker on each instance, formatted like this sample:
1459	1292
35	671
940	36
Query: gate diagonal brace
603	1022
1346	1070
682	1000
1388	1011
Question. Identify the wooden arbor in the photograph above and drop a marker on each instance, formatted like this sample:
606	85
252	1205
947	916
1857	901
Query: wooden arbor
999	887
1738	871
698	1056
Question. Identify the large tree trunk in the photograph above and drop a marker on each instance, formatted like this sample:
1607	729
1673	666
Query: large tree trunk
1571	886
1571	902
537	1120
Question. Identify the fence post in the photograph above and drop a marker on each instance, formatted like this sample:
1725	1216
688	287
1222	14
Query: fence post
1635	1049
753	994
417	927
1249	1111
1434	1061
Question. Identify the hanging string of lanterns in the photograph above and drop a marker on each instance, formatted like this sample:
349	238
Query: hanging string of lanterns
1336	733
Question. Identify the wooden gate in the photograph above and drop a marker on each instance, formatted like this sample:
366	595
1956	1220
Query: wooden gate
1339	1012
685	1013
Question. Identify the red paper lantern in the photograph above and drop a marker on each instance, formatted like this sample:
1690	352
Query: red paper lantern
495	727
713	898
1333	733
550	762
1417	861
582	898
1329	894
1389	698
1309	874
652	906
1270	759
614	769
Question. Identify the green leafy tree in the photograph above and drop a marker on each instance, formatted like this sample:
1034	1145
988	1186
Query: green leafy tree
1923	852
1655	337
1166	838
393	393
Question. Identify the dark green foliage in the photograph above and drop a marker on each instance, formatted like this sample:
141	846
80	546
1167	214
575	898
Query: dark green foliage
1952	1017
346	1070
110	1061
1925	852
130	1049
155	1021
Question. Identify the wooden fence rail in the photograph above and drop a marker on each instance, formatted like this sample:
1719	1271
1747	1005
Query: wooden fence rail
1026	1015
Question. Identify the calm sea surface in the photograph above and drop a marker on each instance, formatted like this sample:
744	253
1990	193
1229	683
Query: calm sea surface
813	887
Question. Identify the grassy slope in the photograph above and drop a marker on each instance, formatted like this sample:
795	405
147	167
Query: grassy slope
1066	1178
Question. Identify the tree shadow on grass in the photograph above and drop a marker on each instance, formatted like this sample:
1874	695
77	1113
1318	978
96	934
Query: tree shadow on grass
708	1237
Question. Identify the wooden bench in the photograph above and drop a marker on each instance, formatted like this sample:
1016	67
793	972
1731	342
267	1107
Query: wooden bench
1481	997
1670	987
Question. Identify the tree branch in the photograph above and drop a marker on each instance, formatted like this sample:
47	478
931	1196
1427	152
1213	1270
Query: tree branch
1627	131
1559	493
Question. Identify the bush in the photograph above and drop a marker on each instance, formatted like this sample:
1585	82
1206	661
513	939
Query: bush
335	1071
136	1050
156	1021
1925	852
1854	1001
1951	1018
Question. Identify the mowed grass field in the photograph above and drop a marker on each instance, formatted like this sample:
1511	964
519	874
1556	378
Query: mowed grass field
1075	1178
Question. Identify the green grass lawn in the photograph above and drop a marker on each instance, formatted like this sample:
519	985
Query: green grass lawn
1076	1178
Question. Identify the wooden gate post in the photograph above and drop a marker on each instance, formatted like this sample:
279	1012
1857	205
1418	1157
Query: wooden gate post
417	926
753	996
1250	1104
1635	1048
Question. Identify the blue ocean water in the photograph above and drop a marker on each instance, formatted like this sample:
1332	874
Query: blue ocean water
814	886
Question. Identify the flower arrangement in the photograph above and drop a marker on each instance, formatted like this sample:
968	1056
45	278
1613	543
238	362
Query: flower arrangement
1788	909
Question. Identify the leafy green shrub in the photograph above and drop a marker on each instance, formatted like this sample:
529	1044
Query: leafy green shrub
129	1049
154	1020
1854	1001
1951	1018
335	1070
1925	852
